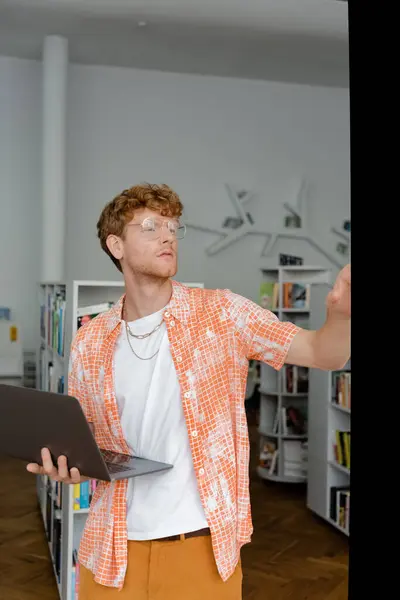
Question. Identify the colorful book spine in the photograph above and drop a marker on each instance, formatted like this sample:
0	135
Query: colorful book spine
77	496
83	494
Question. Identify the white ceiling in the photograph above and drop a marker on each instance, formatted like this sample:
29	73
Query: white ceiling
303	41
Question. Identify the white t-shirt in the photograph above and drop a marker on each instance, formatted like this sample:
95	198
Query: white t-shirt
154	426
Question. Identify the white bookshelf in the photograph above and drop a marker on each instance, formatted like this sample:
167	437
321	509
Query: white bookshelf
63	524
83	293
288	447
69	522
326	418
51	374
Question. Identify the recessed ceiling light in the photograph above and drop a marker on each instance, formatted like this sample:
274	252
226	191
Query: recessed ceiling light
142	23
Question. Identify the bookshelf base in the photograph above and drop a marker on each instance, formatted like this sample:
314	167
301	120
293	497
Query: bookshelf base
264	474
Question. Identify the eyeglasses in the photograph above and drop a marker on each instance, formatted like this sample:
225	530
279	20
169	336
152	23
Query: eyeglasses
151	228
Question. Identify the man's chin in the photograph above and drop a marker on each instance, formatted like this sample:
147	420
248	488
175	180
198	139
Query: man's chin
166	271
153	271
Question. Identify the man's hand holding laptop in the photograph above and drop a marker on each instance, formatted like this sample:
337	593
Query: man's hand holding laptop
61	474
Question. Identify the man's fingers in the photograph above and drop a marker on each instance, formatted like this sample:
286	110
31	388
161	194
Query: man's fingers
72	476
48	465
63	467
57	472
75	475
33	468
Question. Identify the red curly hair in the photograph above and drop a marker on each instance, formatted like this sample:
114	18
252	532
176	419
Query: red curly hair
120	211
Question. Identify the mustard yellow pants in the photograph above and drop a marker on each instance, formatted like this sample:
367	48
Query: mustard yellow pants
173	570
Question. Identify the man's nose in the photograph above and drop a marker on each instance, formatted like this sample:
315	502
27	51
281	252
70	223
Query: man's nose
166	235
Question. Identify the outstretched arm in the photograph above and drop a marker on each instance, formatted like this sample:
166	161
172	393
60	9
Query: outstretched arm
275	342
329	347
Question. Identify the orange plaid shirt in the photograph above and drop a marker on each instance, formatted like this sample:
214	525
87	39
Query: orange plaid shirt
212	334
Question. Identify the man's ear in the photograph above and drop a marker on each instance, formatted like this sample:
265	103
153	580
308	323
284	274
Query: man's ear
114	244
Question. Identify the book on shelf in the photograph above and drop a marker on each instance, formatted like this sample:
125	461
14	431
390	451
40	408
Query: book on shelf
269	295
293	453
87	313
293	421
294	458
295	379
296	295
289	420
83	494
50	378
57	493
289	259
339	506
268	456
341	448
341	389
56	381
52	314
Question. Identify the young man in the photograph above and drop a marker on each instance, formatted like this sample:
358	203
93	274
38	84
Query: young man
163	375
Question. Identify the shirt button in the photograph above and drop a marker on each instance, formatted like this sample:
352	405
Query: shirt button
172	323
179	358
187	394
194	433
201	471
167	314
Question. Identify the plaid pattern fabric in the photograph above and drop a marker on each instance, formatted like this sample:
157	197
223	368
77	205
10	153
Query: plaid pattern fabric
213	334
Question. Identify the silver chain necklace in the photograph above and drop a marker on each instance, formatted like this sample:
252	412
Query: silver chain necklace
143	335
146	335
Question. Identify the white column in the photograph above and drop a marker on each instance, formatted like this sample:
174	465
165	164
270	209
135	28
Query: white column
55	71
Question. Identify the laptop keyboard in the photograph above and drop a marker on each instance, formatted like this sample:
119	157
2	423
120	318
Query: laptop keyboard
116	468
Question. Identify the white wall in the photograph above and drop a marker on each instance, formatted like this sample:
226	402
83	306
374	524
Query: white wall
196	133
20	180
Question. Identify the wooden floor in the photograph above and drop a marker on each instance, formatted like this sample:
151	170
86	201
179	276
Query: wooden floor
292	556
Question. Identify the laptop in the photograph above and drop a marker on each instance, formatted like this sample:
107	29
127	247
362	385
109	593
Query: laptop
31	419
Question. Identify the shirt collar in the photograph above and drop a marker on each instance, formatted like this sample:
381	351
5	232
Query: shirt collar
178	307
